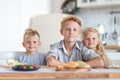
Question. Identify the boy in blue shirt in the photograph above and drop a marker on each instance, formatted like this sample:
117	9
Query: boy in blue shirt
31	42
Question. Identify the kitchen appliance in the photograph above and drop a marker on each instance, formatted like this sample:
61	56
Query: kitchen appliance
69	6
101	31
100	28
114	34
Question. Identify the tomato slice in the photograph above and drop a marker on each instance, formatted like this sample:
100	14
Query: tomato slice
35	67
24	67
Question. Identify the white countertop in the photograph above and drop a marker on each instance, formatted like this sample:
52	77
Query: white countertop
52	70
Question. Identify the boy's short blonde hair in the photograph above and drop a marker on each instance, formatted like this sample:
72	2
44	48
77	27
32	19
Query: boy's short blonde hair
31	32
71	18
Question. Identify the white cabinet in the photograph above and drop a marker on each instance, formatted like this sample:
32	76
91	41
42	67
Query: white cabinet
97	3
114	58
87	3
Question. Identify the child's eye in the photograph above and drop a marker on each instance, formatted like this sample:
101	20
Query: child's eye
71	29
75	29
93	38
34	42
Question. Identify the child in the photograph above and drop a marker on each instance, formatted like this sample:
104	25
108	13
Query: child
91	39
31	42
69	49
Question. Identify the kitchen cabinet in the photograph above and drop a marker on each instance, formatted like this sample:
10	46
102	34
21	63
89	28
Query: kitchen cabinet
97	3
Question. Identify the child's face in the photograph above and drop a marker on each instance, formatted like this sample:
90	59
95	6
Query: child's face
91	40
70	31
31	43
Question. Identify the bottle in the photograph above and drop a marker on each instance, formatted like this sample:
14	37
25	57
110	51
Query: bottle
101	31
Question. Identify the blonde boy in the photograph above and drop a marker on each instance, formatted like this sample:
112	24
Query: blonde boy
31	42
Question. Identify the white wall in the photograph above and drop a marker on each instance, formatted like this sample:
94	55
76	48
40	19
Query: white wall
14	19
56	5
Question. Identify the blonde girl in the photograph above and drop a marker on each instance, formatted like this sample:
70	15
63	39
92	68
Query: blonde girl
91	39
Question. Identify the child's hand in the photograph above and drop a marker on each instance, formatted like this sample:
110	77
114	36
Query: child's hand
52	61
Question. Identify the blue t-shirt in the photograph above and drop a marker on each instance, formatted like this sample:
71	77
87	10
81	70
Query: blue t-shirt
36	59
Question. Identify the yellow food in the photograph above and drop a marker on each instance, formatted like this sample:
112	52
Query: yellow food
14	63
73	65
83	65
60	67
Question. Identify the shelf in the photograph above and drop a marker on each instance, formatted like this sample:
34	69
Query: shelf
112	47
98	3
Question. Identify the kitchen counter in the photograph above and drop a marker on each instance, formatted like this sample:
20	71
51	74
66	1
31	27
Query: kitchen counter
112	47
50	73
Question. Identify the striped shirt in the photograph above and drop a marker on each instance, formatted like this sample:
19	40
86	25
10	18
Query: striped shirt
79	53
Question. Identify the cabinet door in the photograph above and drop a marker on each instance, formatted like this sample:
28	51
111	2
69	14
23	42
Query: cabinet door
87	3
111	0
97	3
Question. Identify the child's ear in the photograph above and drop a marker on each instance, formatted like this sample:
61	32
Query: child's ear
80	32
61	31
23	44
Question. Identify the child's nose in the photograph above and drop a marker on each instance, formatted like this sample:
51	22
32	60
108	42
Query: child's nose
71	31
31	43
90	39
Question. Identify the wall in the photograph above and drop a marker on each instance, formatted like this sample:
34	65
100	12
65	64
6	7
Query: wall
10	22
14	19
56	6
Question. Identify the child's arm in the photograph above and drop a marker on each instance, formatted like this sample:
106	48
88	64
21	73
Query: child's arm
106	60
52	61
96	62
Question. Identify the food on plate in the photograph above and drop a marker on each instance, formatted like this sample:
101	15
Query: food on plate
73	65
60	67
25	67
13	63
83	65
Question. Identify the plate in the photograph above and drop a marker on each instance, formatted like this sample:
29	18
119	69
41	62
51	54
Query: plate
20	68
